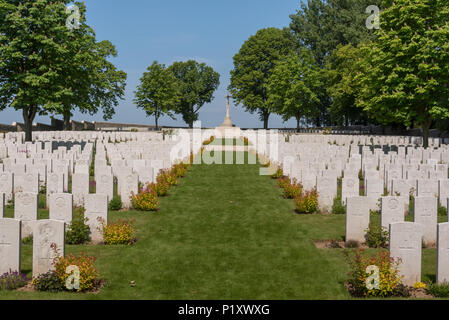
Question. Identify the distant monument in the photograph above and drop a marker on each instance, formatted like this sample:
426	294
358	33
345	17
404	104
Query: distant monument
227	129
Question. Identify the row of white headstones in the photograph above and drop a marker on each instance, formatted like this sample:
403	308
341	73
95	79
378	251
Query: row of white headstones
27	167
319	161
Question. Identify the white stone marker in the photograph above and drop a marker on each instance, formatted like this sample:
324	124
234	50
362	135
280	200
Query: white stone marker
105	185
80	188
392	211
55	184
48	243
426	214
443	191
10	241
96	212
25	209
405	244
357	219
26	182
350	188
442	253
61	207
327	191
128	184
2	205
6	184
427	188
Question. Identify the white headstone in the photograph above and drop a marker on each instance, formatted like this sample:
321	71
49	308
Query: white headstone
350	187
2	205
96	206
405	244
392	211
48	243
105	185
128	184
80	188
327	191
10	242
442	253
6	184
357	219
25	209
426	214
61	207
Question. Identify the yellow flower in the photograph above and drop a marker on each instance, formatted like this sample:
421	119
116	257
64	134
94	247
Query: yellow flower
420	285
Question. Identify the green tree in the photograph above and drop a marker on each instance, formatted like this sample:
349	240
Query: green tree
253	65
294	85
323	25
197	83
33	36
342	68
90	81
408	65
157	93
48	68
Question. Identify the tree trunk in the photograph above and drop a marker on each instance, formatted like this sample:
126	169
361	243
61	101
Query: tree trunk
318	121
156	118
425	132
28	118
298	123
266	117
67	122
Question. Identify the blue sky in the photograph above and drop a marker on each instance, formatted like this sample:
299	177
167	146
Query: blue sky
209	31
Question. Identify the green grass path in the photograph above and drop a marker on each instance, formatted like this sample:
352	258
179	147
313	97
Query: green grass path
224	233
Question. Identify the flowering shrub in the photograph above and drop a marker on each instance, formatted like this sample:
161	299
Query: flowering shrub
115	204
119	232
161	188
307	202
283	181
12	280
292	189
376	236
266	165
78	231
420	285
168	177
278	174
389	278
180	170
147	198
338	207
49	281
86	265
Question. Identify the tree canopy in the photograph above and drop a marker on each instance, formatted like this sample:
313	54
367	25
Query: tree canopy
253	66
158	92
294	85
197	83
48	68
407	78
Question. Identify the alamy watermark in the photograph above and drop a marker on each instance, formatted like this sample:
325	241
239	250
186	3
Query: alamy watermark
373	21
73	20
73	280
373	281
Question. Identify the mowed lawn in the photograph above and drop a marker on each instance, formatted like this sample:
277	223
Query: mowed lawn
224	233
